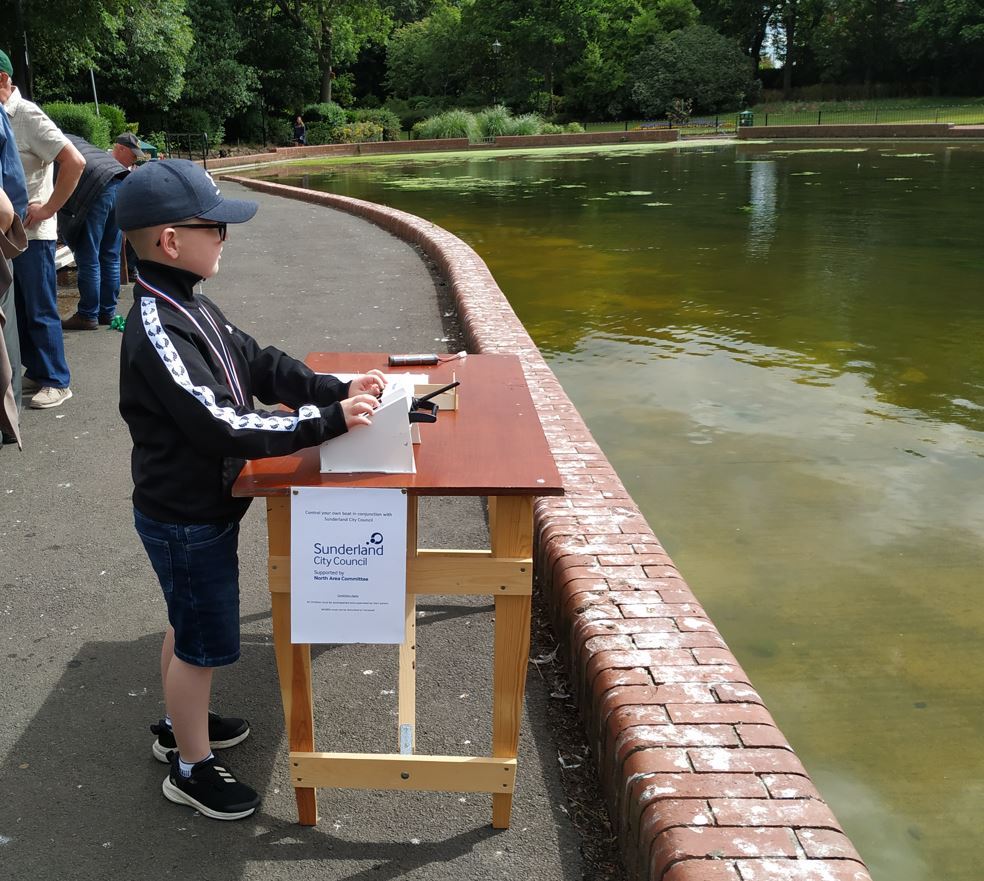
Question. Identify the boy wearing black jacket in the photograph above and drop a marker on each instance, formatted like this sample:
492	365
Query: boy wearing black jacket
188	377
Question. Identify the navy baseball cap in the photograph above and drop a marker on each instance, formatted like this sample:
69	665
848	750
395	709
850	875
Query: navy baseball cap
170	190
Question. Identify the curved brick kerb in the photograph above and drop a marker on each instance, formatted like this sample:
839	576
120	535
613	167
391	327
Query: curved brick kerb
700	783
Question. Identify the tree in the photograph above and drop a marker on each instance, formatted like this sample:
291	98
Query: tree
424	57
599	83
215	80
946	38
336	30
148	56
746	21
695	63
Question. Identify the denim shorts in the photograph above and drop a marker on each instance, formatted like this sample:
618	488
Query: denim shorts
197	565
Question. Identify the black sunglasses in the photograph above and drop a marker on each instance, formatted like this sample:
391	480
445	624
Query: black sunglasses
221	227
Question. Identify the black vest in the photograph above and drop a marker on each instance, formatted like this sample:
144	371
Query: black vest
100	169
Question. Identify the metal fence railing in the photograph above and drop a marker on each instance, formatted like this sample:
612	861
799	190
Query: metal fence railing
724	123
190	145
964	114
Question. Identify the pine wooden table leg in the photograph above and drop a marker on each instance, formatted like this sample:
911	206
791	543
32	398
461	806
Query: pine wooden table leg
293	661
512	536
407	698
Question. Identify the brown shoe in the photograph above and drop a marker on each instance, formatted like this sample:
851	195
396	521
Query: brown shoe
77	322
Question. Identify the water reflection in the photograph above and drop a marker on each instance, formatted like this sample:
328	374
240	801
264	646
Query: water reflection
762	203
799	334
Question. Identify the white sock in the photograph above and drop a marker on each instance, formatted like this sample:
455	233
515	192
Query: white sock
184	768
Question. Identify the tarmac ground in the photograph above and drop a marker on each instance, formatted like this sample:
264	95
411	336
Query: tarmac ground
81	619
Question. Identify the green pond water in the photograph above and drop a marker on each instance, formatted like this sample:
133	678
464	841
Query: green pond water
781	351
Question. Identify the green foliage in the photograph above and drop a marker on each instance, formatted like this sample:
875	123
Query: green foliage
155	138
527	124
343	90
77	119
425	57
694	63
114	116
488	123
194	120
145	62
450	124
388	122
413	110
574	128
328	112
494	121
680	111
215	79
321	133
357	133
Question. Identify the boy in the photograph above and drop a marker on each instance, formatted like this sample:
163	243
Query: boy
187	381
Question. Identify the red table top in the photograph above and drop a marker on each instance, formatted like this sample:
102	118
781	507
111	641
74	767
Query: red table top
493	444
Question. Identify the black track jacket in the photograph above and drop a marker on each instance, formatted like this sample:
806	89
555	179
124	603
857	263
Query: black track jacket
186	394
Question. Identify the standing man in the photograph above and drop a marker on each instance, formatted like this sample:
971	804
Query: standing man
126	150
87	224
41	145
13	184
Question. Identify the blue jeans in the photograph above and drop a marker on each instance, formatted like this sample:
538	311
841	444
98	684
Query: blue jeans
97	256
42	348
197	565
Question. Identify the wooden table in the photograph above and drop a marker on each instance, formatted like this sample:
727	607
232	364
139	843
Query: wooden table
492	446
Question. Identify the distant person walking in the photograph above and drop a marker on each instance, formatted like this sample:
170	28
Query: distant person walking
300	132
42	148
88	226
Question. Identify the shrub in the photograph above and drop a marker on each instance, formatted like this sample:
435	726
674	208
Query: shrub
413	110
695	63
493	121
155	138
574	128
527	124
551	128
77	119
194	120
320	133
451	124
113	115
357	133
327	111
388	121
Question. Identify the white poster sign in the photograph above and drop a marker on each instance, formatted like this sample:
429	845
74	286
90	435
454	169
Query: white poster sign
348	564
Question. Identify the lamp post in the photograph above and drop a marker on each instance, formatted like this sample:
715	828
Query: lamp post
496	49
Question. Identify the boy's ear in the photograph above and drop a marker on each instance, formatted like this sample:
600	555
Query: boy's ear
168	242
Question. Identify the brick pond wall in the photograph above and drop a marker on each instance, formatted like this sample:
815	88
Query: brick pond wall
853	132
374	148
700	783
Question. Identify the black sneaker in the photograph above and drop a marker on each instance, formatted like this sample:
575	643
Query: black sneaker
222	733
212	790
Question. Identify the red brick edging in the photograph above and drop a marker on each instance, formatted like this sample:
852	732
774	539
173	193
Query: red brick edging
886	130
700	783
437	145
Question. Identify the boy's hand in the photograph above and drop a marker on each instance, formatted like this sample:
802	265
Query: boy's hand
358	410
371	383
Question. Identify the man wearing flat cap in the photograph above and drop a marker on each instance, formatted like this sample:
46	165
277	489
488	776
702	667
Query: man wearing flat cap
126	150
42	147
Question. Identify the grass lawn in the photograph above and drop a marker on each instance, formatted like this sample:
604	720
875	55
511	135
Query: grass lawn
960	111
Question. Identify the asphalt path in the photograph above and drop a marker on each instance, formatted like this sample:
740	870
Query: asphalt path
81	619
